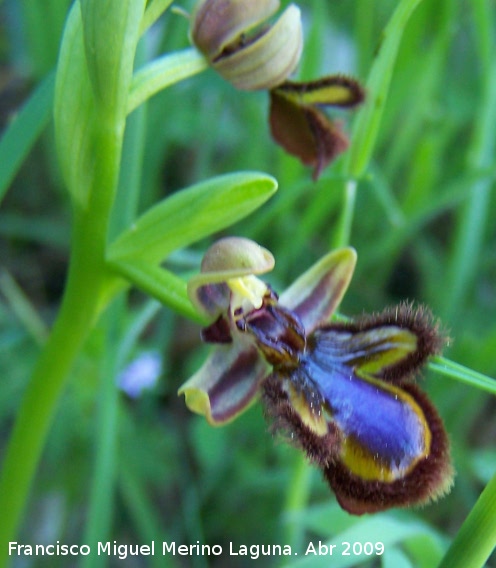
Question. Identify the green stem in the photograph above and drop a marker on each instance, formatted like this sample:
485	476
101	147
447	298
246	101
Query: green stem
163	72
87	282
476	539
103	487
76	316
343	231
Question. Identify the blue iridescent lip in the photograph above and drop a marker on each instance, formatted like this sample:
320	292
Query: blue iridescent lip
379	421
383	443
384	432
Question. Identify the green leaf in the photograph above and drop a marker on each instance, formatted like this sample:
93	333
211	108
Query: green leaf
395	558
369	117
379	529
368	120
476	539
111	32
74	111
460	373
24	130
154	10
190	215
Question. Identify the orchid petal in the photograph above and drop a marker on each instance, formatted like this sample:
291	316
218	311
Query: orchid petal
305	132
315	295
301	128
391	345
333	90
370	351
226	384
428	479
383	444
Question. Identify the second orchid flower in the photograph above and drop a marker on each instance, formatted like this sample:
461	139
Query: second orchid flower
253	56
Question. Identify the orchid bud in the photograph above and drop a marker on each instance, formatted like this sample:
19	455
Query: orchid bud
227	32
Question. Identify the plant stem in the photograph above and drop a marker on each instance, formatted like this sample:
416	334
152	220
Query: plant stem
162	73
343	230
87	283
43	392
103	485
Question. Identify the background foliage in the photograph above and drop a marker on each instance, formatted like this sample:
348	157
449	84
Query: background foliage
423	230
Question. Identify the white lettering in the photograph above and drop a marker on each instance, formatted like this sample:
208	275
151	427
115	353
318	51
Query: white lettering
103	549
183	550
310	549
216	549
166	547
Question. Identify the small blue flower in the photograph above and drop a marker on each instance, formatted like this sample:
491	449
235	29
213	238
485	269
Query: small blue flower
141	374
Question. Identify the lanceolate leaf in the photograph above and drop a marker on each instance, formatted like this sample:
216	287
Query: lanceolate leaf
190	215
24	130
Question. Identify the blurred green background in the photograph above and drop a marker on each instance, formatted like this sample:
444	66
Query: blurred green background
423	228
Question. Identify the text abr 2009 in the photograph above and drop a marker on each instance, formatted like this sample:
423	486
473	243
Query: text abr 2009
346	549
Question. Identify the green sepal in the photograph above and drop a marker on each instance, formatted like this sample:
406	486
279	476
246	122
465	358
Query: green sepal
190	215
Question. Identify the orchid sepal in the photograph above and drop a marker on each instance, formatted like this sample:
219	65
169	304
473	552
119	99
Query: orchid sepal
316	294
250	60
230	261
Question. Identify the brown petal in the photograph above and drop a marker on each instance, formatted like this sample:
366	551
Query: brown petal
305	132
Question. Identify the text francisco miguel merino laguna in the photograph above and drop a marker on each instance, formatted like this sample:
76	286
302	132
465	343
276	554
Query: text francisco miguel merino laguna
122	551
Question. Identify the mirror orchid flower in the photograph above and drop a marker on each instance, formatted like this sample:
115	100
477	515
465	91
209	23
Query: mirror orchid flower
343	392
237	42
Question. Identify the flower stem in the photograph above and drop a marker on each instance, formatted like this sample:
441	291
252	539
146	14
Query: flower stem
164	72
43	392
343	231
87	284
